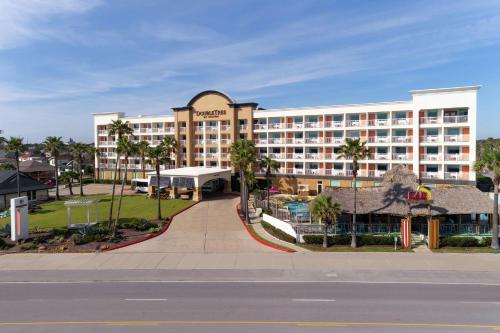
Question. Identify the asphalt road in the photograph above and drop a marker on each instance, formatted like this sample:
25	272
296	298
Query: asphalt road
245	302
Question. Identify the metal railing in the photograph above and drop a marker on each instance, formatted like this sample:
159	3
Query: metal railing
455	119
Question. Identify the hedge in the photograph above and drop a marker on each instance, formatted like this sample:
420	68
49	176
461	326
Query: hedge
464	241
346	240
280	234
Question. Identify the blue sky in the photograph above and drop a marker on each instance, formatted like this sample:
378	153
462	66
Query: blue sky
61	60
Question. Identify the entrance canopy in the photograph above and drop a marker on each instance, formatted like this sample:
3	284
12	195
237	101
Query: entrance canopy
189	177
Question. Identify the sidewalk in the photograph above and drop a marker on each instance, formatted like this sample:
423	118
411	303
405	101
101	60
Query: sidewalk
480	262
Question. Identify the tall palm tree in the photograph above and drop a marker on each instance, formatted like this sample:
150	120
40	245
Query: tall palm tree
53	145
170	146
142	150
15	145
67	177
78	150
125	148
270	165
326	212
243	157
489	165
157	157
118	129
354	150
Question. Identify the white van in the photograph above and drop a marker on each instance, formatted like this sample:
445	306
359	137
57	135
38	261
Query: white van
140	185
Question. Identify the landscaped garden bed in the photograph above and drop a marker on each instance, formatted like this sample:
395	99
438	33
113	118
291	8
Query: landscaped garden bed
48	231
341	243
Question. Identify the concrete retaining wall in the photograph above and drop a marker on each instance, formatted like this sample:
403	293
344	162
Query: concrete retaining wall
283	226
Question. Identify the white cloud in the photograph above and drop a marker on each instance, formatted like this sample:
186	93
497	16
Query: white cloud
22	21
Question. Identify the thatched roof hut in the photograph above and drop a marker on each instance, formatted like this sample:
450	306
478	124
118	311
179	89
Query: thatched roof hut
390	198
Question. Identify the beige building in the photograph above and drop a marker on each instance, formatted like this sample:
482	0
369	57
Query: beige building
433	134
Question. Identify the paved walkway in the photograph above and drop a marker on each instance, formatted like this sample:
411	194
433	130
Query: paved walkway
211	226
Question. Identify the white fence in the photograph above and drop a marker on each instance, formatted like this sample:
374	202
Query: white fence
283	226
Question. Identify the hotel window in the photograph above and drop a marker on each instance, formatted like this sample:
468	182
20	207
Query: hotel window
31	195
431	168
243	136
382	167
243	122
382	116
312	119
297	120
382	150
432	132
432	114
453	150
262	151
400	150
400	115
159	125
334	183
453	168
338	166
276	150
298	150
338	134
200	163
399	132
354	117
353	134
338	117
453	131
298	165
382	133
432	150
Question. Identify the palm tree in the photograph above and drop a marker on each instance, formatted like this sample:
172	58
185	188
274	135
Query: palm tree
489	165
157	156
54	144
170	146
270	165
118	128
355	150
242	157
67	177
15	145
125	148
142	150
78	150
325	211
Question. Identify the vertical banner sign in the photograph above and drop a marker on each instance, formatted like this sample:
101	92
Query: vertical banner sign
433	233
405	234
19	218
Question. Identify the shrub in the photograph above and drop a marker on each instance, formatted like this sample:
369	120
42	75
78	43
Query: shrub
458	241
362	240
4	245
277	232
29	246
376	240
79	239
485	241
138	224
267	211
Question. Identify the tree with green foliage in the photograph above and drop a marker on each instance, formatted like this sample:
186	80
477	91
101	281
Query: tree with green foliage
78	150
488	164
170	146
354	150
142	150
15	145
243	156
326	212
54	145
67	178
157	157
118	129
125	148
270	166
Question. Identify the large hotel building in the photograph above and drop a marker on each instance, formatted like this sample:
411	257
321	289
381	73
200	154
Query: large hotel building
433	134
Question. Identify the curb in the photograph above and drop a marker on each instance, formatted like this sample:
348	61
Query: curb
165	228
276	247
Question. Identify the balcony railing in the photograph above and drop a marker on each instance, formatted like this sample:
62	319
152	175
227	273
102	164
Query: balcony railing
455	119
182	129
182	142
260	141
378	122
156	142
295	125
430	120
338	140
431	157
295	156
103	132
379	139
402	157
353	123
275	141
259	126
330	124
456	157
169	129
334	172
275	126
295	141
401	139
314	156
199	141
430	139
430	174
314	124
314	172
277	156
456	176
210	141
456	138
382	156
225	127
243	127
402	121
376	173
314	140
225	141
211	128
146	130
212	155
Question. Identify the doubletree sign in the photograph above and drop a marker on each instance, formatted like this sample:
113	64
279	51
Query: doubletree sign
421	194
211	113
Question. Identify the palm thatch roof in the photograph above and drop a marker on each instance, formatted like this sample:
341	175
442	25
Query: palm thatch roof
390	198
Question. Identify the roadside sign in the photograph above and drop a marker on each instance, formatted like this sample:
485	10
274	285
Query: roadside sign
19	218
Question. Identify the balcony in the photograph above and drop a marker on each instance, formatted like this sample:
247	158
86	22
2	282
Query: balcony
456	157
314	140
295	171
376	173
336	124
402	157
430	157
199	142
211	129
430	175
225	127
314	172
243	127
295	125
402	121
382	157
430	120
456	176
335	140
275	141
378	122
379	139
430	139
103	132
295	156
335	172
259	126
182	129
295	141
145	130
314	124
455	119
277	156
260	141
211	141
212	155
199	155
156	142
224	155
353	123
310	156
225	141
106	166
157	129
401	139
456	138
170	130
182	142
275	126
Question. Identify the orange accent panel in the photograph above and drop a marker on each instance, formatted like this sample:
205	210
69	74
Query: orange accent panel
466	150
466	131
422	168
465	168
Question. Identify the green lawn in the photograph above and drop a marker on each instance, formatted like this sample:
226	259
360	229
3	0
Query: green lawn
54	213
449	249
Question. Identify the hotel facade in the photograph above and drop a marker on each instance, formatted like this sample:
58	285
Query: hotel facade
433	134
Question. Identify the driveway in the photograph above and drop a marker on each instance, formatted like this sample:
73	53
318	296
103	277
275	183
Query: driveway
211	226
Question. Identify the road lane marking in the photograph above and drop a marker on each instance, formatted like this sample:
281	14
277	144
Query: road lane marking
480	302
312	300
146	299
133	323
